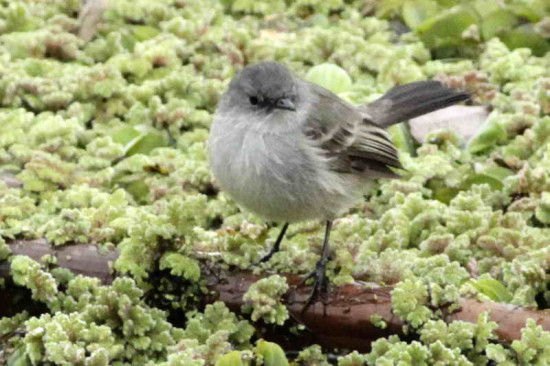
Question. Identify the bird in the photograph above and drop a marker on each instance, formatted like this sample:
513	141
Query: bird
289	150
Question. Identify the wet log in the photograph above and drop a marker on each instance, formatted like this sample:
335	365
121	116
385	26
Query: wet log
342	321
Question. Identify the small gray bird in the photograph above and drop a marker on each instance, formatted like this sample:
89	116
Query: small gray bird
290	150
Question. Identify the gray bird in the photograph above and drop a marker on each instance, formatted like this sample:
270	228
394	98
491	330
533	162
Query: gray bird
289	150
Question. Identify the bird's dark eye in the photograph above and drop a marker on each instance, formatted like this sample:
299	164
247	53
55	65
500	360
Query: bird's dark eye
254	100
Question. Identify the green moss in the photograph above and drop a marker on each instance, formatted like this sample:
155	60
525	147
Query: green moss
4	249
26	272
67	339
108	139
531	348
408	301
352	359
214	332
264	296
378	321
8	325
312	356
470	338
180	265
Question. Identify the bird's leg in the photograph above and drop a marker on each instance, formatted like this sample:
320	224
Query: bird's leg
277	246
320	285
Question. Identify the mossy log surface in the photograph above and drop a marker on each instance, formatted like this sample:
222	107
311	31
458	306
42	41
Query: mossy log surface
341	320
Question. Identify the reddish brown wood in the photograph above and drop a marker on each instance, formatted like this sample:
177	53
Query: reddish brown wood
81	259
344	320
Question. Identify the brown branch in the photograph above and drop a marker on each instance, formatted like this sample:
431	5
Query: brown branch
342	322
81	259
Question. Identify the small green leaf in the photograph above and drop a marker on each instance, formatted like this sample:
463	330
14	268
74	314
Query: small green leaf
493	176
415	12
232	358
272	353
330	76
124	135
498	172
442	192
138	189
484	7
145	143
488	136
492	288
525	37
496	22
532	11
144	32
481	179
445	29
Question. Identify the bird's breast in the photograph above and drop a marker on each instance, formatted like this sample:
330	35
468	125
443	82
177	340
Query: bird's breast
278	176
252	164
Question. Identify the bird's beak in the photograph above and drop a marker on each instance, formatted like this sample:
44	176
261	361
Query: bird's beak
285	103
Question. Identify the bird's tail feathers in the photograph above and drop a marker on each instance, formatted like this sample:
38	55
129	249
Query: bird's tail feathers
408	101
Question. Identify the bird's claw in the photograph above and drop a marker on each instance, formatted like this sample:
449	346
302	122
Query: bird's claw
268	256
264	259
274	249
320	284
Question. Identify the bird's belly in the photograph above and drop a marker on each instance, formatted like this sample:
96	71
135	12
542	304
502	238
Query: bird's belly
280	181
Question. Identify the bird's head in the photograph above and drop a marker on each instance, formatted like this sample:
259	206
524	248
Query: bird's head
264	88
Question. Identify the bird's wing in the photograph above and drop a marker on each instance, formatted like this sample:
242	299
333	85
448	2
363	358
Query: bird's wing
352	143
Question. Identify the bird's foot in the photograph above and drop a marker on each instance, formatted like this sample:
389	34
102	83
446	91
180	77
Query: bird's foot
268	256
320	284
264	259
275	248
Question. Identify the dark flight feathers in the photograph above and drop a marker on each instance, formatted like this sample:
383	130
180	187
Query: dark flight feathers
354	138
404	102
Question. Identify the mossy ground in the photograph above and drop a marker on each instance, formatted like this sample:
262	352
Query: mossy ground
107	139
